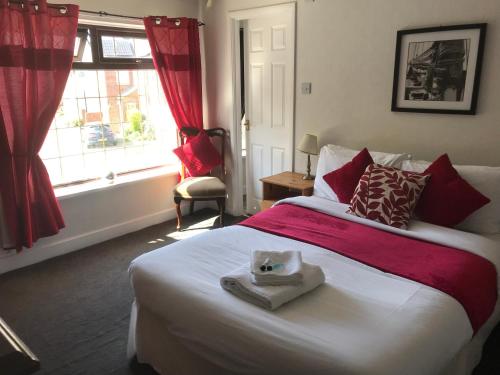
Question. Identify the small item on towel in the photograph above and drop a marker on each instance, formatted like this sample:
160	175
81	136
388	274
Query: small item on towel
276	267
239	282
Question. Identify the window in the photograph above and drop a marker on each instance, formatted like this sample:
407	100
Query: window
113	115
123	48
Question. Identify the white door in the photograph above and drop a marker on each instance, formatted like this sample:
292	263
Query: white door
270	50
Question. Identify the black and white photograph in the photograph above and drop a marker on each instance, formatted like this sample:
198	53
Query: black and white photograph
437	69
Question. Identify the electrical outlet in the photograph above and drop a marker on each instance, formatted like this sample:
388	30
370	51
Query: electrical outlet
306	88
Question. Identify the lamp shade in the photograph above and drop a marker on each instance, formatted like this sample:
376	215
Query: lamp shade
309	144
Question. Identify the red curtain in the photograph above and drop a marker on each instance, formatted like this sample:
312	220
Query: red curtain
175	46
36	53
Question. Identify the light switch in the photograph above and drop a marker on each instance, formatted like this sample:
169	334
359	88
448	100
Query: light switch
306	88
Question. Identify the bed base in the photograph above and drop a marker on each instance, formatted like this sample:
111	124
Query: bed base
151	342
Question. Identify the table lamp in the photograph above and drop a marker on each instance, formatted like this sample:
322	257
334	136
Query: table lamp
309	146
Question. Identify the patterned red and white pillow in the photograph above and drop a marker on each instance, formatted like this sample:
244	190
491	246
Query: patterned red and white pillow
387	195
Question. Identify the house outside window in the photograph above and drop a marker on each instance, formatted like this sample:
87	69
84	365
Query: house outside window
113	115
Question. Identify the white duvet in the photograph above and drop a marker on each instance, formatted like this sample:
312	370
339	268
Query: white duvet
361	321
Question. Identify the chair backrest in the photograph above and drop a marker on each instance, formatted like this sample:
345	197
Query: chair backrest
187	132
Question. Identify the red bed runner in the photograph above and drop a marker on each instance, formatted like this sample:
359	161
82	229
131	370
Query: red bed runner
467	277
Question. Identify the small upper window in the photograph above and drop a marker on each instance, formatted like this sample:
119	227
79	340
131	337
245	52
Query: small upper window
99	47
82	52
123	48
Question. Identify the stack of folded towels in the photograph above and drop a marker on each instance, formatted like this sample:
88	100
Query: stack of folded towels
273	278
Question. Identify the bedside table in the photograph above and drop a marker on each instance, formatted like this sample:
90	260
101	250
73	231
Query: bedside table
284	185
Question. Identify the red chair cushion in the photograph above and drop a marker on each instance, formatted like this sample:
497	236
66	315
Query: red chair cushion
447	199
199	155
344	180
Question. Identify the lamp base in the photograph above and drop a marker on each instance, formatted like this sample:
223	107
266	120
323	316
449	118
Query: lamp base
308	174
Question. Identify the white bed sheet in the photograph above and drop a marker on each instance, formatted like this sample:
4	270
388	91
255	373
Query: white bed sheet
362	321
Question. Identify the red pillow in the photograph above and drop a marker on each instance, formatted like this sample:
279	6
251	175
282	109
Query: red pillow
447	199
387	195
344	180
199	155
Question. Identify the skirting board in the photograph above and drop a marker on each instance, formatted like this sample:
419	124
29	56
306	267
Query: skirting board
12	260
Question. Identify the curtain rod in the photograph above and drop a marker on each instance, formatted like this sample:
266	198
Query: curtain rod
99	13
102	14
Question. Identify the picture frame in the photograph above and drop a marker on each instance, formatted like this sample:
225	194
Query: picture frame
438	69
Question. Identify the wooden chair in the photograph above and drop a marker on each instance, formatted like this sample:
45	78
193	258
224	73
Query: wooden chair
203	188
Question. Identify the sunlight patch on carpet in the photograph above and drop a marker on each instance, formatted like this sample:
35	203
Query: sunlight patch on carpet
195	229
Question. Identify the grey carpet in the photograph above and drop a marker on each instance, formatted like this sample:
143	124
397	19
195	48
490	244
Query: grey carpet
73	311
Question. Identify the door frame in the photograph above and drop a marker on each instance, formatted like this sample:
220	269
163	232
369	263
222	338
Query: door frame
234	19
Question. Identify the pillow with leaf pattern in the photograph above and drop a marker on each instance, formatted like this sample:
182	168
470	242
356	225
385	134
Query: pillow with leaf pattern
387	195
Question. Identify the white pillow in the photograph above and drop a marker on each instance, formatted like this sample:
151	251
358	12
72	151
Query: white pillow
332	157
415	165
486	180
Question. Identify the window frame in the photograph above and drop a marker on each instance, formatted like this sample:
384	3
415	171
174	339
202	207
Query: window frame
91	34
99	62
82	35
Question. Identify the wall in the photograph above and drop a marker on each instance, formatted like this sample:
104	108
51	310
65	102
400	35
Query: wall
346	49
96	216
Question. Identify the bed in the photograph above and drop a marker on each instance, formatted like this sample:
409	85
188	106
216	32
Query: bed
361	321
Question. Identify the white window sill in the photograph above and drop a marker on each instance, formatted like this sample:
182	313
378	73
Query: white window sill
68	192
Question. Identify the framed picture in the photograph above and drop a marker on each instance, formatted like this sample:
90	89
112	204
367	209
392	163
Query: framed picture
437	69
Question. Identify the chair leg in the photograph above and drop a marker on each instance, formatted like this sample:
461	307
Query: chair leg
191	207
222	209
179	213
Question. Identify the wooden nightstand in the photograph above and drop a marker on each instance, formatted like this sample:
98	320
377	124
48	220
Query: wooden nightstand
284	185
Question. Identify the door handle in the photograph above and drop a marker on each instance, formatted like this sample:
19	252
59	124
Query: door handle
246	124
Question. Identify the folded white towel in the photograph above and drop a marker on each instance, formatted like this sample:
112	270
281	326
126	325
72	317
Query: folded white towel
286	267
239	283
